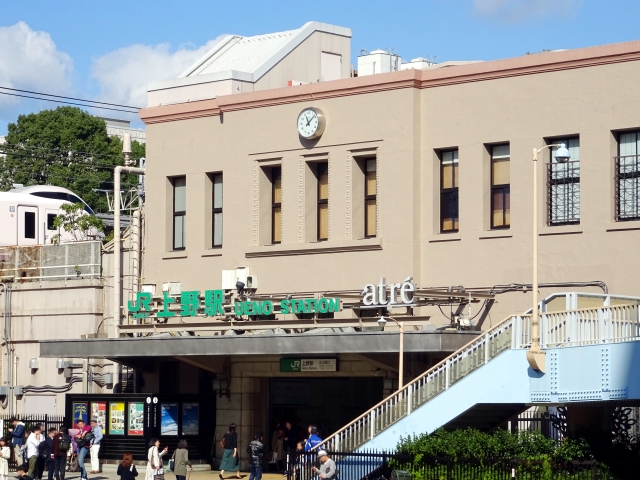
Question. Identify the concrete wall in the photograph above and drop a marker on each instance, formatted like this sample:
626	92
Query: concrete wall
404	128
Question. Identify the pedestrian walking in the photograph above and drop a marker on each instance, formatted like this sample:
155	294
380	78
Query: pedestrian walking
33	450
17	438
60	450
83	441
5	455
181	461
290	437
327	470
95	445
314	440
255	449
230	461
47	453
277	448
154	457
126	469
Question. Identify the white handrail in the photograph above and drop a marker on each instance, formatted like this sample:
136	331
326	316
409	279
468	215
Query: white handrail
570	327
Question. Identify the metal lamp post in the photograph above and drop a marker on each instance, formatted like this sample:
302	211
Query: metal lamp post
382	322
535	356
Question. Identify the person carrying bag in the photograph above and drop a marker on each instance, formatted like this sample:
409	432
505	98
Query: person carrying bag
155	469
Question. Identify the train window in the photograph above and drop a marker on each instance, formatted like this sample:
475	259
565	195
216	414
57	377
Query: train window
51	217
30	225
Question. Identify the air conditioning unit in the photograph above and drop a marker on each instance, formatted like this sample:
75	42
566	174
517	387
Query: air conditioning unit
241	274
228	279
252	281
174	288
149	288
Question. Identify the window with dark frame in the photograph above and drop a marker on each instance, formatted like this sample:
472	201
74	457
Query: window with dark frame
563	185
322	174
449	221
370	198
179	212
30	225
500	186
276	204
216	210
627	173
51	221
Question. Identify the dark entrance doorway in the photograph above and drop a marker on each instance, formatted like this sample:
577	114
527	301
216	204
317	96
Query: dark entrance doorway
328	403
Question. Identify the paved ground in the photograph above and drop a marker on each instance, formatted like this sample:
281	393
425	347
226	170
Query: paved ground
210	475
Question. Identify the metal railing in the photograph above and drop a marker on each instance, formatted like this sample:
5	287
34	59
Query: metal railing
374	465
588	326
51	262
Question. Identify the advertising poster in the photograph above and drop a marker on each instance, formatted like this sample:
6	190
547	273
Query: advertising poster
80	412
99	412
136	418
169	419
190	418
116	421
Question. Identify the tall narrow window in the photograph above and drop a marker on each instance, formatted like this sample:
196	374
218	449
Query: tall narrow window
449	191
179	212
500	186
322	174
216	235
564	185
628	177
370	198
276	205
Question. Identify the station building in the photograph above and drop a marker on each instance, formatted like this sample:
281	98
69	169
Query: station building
290	204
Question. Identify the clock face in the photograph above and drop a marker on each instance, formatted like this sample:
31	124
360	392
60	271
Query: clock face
311	123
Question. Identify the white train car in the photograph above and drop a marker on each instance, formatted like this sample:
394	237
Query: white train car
27	214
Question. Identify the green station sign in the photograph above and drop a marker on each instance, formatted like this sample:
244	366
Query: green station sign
308	365
212	304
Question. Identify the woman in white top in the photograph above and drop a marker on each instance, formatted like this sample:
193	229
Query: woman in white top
154	466
5	454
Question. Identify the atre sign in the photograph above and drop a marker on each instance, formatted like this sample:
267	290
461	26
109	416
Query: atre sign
392	294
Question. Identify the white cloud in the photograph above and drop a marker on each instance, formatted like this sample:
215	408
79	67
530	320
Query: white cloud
123	74
517	11
30	60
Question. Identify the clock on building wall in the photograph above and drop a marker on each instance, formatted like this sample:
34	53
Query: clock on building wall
311	123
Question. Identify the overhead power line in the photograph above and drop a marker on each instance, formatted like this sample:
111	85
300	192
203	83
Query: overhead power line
68	98
67	102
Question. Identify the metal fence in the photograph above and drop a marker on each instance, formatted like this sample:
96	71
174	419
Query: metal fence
51	262
47	422
381	465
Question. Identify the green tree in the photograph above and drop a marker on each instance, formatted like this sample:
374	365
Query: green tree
66	147
77	223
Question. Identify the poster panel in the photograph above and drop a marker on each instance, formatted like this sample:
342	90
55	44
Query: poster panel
116	421
80	412
190	418
136	418
169	419
99	412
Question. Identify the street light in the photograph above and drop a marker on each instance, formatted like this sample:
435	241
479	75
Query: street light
535	356
382	322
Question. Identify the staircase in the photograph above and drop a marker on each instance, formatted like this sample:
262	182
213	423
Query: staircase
488	380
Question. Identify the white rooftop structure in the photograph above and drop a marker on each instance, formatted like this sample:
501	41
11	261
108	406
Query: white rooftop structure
117	128
312	53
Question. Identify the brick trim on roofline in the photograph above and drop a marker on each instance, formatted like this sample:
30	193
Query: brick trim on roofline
420	79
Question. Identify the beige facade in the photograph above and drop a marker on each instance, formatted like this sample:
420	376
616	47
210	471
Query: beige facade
404	120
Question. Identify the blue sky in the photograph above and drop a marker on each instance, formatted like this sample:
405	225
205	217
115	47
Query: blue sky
110	50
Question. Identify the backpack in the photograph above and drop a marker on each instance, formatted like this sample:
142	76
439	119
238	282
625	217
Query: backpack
65	443
86	440
43	449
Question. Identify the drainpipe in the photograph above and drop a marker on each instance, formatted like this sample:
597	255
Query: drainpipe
117	247
8	375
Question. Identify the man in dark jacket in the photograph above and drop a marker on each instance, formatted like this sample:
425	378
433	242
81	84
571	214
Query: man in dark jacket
17	438
47	452
256	450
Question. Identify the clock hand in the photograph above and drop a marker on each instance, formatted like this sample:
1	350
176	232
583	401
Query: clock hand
309	120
